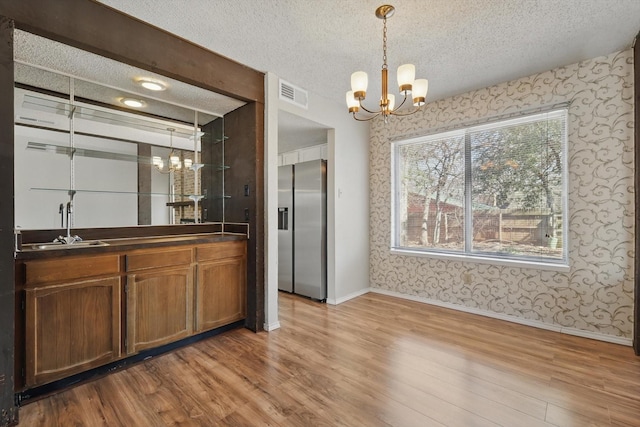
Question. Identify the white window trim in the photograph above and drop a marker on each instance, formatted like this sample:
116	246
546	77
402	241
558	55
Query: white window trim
559	265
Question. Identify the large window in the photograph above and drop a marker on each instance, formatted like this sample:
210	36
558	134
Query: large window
496	190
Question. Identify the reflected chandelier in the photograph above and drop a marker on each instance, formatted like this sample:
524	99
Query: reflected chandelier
407	83
173	162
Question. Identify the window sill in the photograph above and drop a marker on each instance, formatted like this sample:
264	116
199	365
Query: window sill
564	268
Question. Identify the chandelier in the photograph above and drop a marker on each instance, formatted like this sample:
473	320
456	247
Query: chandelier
172	162
408	84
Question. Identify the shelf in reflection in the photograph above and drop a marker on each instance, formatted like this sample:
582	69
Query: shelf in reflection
103	115
100	154
66	190
86	152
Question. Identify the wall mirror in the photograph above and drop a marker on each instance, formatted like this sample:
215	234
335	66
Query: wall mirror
83	155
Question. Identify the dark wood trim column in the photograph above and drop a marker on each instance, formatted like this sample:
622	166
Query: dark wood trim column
144	185
256	303
244	184
8	410
636	297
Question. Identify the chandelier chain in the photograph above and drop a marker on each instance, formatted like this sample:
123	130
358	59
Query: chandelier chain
384	44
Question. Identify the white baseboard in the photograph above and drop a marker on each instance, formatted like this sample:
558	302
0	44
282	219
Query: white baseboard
348	297
597	336
271	326
509	318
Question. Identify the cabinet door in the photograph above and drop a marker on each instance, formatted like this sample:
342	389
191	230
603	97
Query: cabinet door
71	327
221	293
159	307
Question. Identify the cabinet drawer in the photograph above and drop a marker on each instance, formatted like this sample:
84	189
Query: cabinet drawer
158	258
72	268
221	250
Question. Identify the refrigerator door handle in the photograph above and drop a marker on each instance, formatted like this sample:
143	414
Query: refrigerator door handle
283	218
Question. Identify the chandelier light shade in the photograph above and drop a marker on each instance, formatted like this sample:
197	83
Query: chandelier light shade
359	83
352	102
406	77
420	88
408	86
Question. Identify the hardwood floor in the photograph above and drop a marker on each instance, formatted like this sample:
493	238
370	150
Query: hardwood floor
372	361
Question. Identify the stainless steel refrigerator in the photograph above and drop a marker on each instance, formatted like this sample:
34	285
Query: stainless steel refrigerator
302	229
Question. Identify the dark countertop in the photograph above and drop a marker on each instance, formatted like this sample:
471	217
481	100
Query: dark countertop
29	251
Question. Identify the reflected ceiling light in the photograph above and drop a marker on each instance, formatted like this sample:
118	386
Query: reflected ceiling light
407	83
133	103
151	84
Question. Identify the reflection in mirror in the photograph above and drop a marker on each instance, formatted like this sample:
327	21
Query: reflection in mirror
90	156
76	142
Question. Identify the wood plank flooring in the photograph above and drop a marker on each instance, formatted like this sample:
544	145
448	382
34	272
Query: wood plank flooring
372	361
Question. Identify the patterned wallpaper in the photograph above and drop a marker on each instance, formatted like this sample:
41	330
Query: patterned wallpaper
596	295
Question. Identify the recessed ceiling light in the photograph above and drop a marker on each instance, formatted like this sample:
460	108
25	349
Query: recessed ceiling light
133	103
151	84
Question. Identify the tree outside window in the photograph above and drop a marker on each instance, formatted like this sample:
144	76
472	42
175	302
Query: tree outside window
491	190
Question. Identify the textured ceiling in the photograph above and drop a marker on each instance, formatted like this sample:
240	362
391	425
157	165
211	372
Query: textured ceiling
117	80
459	45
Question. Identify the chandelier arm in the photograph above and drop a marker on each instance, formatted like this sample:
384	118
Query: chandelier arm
406	114
366	119
162	171
401	104
367	110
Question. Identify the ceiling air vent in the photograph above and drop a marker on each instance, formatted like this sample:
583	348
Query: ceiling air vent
293	94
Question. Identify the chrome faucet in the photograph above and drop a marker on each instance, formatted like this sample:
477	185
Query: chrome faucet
68	239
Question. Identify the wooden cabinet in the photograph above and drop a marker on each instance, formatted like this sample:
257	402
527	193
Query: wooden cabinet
159	298
221	285
72	321
77	308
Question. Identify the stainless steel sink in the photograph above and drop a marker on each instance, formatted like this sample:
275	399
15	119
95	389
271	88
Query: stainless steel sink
60	245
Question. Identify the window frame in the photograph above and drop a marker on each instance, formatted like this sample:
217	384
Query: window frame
466	254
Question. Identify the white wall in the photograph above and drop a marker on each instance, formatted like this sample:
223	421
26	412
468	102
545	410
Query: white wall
271	203
347	192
